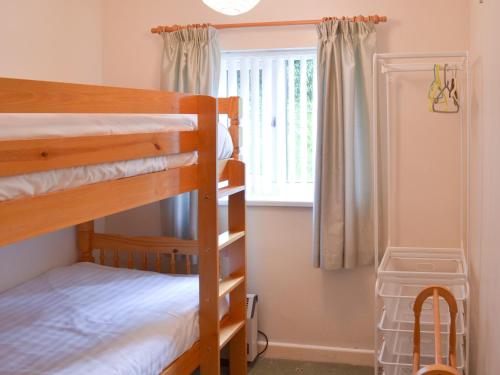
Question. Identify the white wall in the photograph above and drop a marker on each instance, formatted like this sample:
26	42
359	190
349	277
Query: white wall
306	312
57	40
485	276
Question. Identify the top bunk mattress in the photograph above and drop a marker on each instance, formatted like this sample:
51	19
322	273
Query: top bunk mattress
91	319
46	125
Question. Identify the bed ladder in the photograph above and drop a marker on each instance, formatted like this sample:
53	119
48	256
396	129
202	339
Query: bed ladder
232	246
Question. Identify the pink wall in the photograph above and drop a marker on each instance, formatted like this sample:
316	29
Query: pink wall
132	53
485	276
56	40
109	40
306	312
425	164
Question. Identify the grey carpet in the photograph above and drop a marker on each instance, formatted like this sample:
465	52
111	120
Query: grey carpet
285	367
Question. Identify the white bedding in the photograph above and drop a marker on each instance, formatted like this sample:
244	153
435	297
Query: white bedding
90	319
22	126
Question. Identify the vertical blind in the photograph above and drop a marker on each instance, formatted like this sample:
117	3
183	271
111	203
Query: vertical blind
278	91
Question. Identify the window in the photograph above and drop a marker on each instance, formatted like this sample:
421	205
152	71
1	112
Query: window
278	91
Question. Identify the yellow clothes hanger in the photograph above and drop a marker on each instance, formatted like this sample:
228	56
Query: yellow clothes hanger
435	92
442	96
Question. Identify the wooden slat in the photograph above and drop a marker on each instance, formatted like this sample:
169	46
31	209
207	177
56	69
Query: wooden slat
173	268
158	261
24	156
234	173
230	283
84	240
230	169
130	259
223	170
164	245
116	259
27	96
28	217
227	238
229	190
186	363
229	328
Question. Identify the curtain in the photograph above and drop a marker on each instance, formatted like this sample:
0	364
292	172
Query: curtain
343	197
190	64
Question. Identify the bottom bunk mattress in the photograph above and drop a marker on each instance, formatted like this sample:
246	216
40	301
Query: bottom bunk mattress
92	319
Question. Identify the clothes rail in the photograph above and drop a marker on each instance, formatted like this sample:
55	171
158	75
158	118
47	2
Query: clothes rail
419	67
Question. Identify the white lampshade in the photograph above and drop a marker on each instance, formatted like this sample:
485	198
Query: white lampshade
231	7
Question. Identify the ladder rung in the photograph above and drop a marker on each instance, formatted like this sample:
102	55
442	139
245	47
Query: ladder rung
227	238
229	190
230	283
229	328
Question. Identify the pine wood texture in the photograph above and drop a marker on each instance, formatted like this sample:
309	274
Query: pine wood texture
84	241
237	257
135	251
438	368
28	217
232	107
34	155
165	245
27	96
186	363
208	241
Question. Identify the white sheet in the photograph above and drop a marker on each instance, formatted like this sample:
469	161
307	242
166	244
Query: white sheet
22	126
90	319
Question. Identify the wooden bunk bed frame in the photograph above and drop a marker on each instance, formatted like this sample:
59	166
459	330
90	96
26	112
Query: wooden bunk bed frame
27	217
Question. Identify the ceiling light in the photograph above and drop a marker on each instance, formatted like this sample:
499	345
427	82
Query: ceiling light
231	7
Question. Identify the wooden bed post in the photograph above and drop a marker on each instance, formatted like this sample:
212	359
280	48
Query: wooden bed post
237	256
84	238
232	107
206	108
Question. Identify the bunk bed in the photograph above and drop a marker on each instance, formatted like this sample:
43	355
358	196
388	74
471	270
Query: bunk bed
24	215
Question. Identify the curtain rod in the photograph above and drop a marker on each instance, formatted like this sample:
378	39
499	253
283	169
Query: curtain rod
169	28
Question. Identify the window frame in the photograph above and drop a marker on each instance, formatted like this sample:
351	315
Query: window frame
305	197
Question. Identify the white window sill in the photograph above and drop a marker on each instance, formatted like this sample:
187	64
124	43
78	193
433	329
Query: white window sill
278	203
287	195
272	202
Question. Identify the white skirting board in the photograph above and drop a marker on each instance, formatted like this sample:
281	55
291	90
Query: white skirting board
318	353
